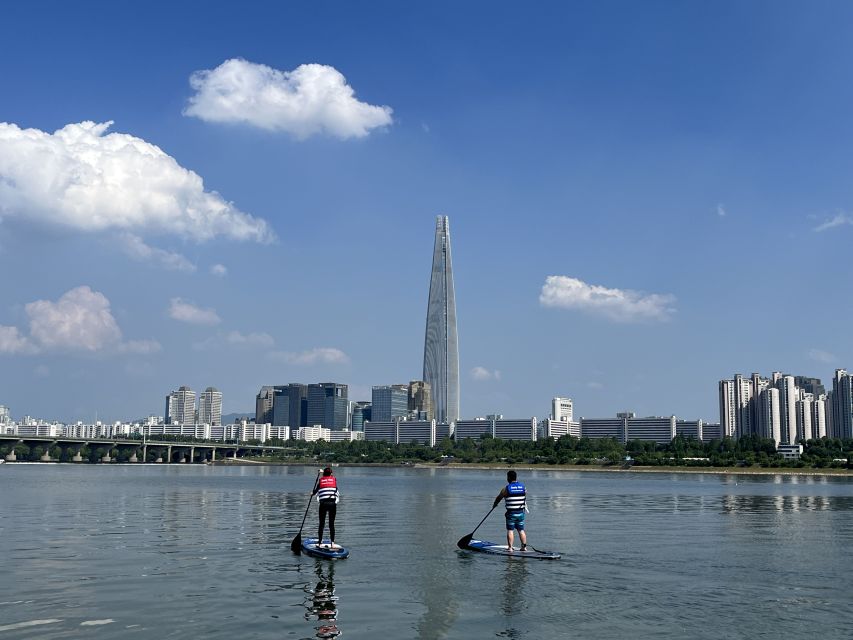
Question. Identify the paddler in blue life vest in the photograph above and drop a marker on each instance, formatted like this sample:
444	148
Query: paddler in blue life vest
328	497
515	498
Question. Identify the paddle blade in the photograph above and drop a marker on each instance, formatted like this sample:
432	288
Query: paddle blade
296	545
464	541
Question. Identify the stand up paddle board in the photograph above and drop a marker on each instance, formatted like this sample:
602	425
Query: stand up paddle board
502	550
324	550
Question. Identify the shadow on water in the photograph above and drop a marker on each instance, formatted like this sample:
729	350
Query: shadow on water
321	603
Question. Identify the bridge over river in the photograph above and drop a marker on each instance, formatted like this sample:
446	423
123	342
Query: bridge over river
140	450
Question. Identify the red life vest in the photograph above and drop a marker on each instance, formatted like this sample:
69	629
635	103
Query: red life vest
327	489
328	482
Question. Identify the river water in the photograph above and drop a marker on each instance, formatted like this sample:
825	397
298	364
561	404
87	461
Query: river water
183	551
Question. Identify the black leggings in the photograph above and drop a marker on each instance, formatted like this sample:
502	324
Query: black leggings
327	506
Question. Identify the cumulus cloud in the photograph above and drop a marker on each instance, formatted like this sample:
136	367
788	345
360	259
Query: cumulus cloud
83	178
721	211
186	311
620	305
311	99
819	355
482	374
838	220
219	270
12	341
320	355
81	320
135	247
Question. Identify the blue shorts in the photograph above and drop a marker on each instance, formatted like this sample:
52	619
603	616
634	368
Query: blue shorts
515	520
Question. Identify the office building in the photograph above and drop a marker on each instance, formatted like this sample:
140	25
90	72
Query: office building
472	429
561	409
328	405
361	412
842	404
389	402
5	415
264	405
551	428
441	347
210	407
420	400
511	429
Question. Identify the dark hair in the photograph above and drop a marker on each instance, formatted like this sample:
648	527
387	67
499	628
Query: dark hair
511	475
327	471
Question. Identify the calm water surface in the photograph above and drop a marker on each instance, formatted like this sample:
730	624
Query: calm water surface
192	551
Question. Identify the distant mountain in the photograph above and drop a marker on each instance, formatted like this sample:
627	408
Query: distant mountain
228	418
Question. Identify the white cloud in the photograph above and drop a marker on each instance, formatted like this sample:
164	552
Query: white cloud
320	355
837	221
83	178
481	374
721	211
236	339
595	385
819	355
311	99
620	305
12	341
219	270
81	320
135	247
186	311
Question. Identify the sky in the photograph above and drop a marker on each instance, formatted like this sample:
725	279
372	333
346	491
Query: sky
644	198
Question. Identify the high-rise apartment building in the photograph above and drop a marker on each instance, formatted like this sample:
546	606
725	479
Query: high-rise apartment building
420	400
180	407
5	415
441	345
328	405
210	407
389	402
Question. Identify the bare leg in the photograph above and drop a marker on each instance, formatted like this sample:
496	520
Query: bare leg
523	537
509	536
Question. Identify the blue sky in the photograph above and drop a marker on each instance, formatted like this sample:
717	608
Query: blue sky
682	168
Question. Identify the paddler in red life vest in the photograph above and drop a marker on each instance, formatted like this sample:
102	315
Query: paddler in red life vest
328	497
515	498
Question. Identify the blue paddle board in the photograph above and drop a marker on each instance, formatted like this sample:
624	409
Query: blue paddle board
502	550
324	550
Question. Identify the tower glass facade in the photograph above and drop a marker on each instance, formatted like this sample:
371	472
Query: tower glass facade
441	344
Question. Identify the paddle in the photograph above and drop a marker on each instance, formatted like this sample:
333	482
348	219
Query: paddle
464	540
296	545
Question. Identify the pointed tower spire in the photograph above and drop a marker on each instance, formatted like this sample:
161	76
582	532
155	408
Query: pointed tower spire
441	345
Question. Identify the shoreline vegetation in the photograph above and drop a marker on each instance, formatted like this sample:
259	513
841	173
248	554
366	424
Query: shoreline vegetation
746	455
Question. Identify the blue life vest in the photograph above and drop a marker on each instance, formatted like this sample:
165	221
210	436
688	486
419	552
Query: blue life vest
515	496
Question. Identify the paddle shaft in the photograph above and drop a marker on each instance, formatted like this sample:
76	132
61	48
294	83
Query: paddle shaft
298	537
482	521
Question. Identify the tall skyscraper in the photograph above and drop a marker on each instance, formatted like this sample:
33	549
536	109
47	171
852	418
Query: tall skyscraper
263	405
441	344
210	407
180	406
328	405
420	400
361	413
389	402
842	404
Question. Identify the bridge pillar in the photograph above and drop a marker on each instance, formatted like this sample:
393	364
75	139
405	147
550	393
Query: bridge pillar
235	454
106	457
133	458
192	454
45	457
11	457
213	455
77	457
169	454
145	453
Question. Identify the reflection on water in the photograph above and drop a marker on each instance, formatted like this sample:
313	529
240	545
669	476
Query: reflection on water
759	504
190	551
322	603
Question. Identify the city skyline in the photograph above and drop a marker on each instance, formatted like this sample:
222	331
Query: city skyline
608	178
